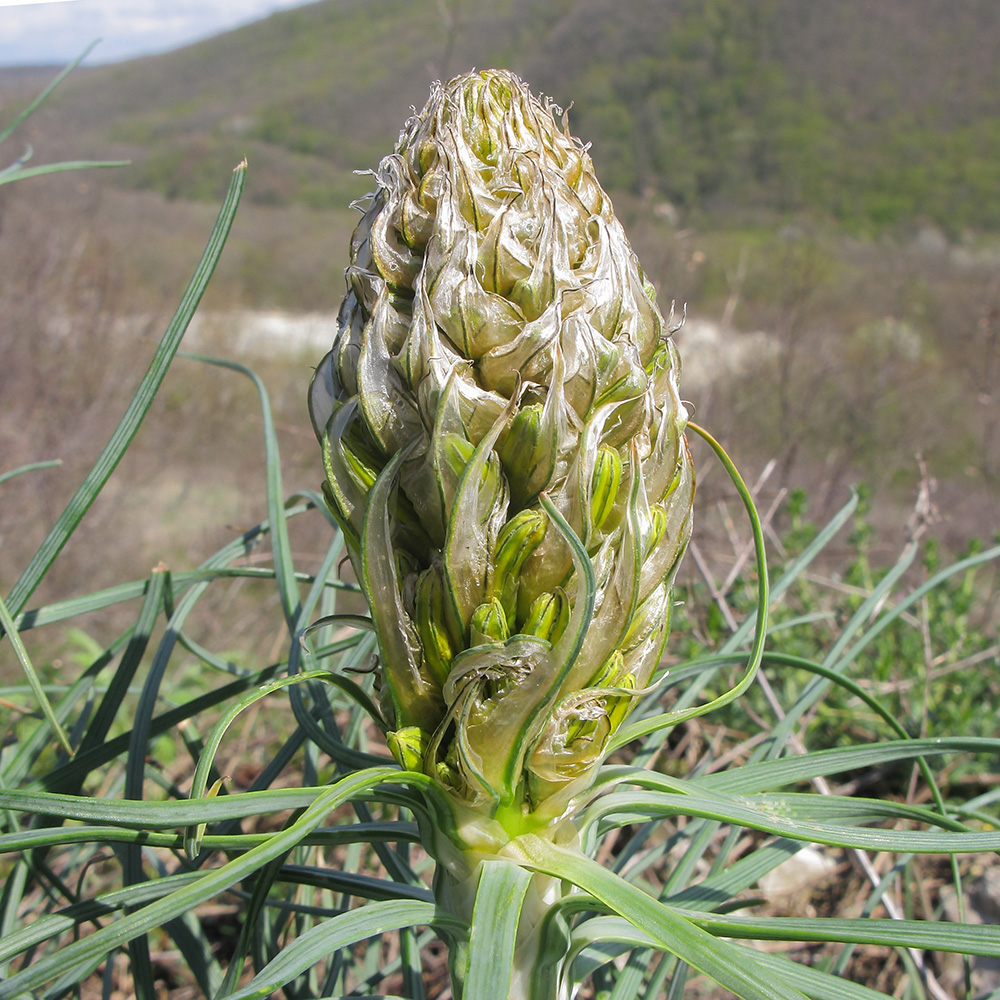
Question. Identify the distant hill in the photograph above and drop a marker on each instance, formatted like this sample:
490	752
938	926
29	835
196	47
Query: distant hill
866	114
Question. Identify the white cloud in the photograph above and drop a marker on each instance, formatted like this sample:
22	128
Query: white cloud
24	3
56	32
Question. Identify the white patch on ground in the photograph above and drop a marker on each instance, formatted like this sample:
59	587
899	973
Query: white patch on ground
802	870
271	334
708	350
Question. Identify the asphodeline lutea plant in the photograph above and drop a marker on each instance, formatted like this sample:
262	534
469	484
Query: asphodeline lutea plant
504	450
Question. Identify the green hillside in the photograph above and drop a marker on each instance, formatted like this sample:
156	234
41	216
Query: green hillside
827	173
866	115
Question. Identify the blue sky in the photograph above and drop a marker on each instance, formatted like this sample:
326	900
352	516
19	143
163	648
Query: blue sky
56	31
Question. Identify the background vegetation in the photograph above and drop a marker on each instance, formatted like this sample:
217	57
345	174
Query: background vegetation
814	184
824	174
735	111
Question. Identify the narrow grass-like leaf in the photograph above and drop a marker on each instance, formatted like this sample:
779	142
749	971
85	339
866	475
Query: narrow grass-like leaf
7	625
277	514
801	663
195	946
66	777
853	810
23	116
720	887
764	775
14	886
18	765
814	983
141	731
794	570
969	939
200	780
32	467
22	173
252	925
354	833
554	939
656	723
360	886
153	915
100	599
889	881
167	814
354	691
111	704
126	430
597	941
50	925
132	869
411	964
720	961
621	809
210	659
916	595
495	914
836	658
327	738
739	638
341	932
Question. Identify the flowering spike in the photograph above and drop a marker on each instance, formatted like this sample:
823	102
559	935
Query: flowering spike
500	420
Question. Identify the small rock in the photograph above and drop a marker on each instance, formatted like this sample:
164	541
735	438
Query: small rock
802	870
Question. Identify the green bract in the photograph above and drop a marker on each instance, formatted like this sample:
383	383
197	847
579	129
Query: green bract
503	442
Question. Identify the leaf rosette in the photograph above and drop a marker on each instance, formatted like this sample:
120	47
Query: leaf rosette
504	451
